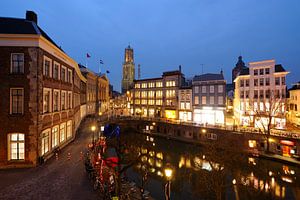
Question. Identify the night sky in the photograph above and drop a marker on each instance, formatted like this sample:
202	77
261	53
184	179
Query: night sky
169	33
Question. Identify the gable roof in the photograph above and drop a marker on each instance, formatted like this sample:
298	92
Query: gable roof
208	77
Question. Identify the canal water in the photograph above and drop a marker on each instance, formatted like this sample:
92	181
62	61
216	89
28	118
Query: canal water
206	172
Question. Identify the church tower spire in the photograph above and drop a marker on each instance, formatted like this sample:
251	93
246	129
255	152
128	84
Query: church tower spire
128	70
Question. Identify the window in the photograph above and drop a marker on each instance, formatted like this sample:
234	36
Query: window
158	102
267	93
137	85
203	100
283	93
62	132
158	84
188	105
261	94
150	94
255	94
46	100
69	77
170	93
55	136
151	85
261	81
220	88
63	100
242	95
158	94
16	100
277	81
241	83
256	72
69	100
69	129
261	71
55	100
55	70
267	70
170	83
267	81
45	141
211	100
247	82
247	93
282	80
203	89
144	85
220	100
144	94
47	67
212	89
182	105
17	63
16	146
196	100
196	89
255	82
63	74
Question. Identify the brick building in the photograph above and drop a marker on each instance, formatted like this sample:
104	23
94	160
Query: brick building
40	101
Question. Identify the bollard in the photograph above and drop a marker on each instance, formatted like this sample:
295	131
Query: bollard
56	156
81	155
69	156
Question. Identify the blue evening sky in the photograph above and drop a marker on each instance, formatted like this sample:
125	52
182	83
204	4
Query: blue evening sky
169	33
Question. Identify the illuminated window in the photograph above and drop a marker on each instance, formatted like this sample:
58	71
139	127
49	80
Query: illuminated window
170	93
170	84
151	102
17	63
158	84
45	141
158	94
197	100
170	114
62	132
55	136
46	100
144	94
182	105
137	101
203	100
69	129
151	85
151	94
137	85
188	105
16	146
158	102
144	101
144	85
63	100
55	100
203	89
137	94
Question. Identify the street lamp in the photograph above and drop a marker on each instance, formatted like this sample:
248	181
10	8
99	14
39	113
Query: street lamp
168	173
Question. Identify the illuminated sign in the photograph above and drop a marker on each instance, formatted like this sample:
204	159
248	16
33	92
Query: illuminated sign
287	142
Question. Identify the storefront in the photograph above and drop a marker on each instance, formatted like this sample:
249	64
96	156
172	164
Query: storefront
170	114
288	148
209	116
185	116
151	112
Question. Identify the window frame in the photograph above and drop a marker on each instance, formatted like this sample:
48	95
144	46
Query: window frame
18	141
11	101
11	64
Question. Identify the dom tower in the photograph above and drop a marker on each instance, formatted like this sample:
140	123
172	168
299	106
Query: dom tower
128	70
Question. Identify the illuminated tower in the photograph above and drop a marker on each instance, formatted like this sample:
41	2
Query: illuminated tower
128	70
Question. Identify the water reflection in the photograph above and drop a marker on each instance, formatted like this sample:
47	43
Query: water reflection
199	175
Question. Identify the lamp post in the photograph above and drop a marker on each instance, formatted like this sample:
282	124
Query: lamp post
93	128
168	173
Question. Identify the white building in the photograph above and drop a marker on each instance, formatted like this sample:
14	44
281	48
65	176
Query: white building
260	92
209	99
293	115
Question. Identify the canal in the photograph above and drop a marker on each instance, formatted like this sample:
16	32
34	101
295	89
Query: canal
207	172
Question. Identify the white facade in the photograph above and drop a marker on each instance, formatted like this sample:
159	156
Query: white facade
260	90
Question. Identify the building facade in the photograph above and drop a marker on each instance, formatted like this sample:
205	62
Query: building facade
293	115
260	91
128	70
157	97
102	94
209	98
240	65
40	104
185	104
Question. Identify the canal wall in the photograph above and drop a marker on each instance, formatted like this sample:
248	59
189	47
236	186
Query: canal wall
284	149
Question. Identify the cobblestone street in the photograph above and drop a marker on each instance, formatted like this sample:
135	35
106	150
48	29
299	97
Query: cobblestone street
56	179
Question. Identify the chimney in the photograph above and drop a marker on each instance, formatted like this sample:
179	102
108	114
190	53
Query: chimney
180	68
31	16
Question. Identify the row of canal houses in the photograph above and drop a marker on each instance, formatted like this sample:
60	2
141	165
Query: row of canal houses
205	99
44	93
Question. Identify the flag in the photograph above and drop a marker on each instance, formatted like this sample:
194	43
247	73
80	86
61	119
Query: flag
107	71
88	55
101	62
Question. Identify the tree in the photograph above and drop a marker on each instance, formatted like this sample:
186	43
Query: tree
264	113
